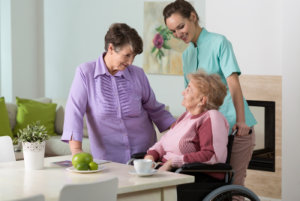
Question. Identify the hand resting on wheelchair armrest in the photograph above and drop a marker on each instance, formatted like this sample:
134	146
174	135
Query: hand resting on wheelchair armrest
138	155
202	167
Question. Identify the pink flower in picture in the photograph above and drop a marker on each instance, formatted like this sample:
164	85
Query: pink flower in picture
158	41
163	34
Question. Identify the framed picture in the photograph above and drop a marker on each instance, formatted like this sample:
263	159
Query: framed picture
162	51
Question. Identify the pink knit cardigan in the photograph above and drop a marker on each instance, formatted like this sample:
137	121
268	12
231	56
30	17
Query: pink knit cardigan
199	138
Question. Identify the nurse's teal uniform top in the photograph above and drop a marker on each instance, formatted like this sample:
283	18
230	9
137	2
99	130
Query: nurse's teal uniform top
214	54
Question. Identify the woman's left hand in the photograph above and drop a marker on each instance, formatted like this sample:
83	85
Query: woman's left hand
166	166
149	157
242	127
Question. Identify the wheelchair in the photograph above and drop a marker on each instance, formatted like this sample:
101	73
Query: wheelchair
208	188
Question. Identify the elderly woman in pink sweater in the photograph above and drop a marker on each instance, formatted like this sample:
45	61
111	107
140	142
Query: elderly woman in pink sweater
201	133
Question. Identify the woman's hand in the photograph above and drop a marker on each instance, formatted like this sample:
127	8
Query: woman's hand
242	127
149	157
75	147
166	166
172	125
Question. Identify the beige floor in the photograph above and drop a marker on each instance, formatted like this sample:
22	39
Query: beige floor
268	199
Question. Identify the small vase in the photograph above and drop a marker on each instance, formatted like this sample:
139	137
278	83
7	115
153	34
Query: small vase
34	155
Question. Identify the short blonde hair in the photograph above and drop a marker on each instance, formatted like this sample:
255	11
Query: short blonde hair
210	86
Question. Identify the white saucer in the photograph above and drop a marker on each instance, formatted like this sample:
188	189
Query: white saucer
73	169
133	172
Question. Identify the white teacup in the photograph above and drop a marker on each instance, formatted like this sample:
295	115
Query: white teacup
143	166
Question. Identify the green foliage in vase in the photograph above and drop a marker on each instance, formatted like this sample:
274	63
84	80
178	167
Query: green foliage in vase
15	141
34	132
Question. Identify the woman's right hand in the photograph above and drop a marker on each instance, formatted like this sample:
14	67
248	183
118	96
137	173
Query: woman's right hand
75	147
243	129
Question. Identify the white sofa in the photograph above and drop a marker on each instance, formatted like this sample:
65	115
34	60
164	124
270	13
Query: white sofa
54	146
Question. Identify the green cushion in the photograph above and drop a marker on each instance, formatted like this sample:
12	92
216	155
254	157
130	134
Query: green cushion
30	111
4	119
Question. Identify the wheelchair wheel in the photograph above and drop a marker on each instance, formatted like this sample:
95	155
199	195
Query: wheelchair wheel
231	193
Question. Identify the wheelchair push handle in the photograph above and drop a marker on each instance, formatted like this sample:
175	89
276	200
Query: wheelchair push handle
236	130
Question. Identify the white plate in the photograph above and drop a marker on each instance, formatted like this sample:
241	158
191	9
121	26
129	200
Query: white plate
133	172
99	161
73	169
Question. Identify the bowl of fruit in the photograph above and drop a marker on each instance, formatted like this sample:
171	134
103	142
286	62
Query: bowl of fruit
84	163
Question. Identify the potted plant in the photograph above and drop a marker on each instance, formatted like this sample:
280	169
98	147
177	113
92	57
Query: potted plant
17	144
33	139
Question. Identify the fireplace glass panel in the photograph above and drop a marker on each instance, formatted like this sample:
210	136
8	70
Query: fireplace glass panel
259	113
263	157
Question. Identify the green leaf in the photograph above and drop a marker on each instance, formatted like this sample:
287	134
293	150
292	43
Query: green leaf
153	49
157	54
165	37
166	46
159	28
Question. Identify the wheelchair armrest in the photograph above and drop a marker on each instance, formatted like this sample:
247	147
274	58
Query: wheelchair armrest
202	167
136	156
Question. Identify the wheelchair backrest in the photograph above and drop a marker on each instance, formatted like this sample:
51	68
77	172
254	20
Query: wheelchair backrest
229	147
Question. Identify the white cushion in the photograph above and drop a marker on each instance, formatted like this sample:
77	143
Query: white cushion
56	147
43	100
85	131
12	114
60	115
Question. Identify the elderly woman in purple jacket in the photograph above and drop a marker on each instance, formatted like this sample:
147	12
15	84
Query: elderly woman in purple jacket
117	99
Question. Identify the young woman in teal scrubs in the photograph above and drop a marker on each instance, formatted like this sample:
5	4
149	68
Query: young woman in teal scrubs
214	54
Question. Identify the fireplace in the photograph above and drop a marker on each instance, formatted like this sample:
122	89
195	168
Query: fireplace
265	175
263	157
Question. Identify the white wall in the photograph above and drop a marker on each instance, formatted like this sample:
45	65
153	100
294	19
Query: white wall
290	52
0	42
253	28
20	49
6	69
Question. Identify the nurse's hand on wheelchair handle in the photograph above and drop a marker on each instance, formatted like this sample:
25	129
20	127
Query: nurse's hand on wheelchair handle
243	128
234	132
